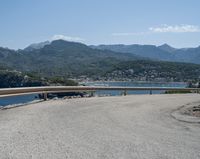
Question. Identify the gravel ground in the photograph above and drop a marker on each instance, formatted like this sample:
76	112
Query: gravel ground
137	126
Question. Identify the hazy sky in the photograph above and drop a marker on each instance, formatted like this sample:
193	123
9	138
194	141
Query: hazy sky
176	22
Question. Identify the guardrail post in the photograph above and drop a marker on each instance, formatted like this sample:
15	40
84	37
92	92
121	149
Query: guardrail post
45	96
125	92
92	94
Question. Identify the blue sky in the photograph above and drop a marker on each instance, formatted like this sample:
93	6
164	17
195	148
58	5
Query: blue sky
175	22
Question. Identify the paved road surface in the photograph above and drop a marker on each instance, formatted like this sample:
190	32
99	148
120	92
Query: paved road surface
129	127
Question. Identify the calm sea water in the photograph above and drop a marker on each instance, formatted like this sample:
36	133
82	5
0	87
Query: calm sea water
17	99
28	98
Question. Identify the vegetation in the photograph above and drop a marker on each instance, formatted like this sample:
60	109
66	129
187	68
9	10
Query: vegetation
178	91
17	79
62	58
62	81
155	70
58	61
9	78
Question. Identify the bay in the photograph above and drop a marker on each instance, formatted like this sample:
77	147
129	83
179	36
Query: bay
17	100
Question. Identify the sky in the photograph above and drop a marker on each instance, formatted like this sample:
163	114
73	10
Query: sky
176	22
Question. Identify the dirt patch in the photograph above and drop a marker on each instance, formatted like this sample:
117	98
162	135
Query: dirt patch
188	113
193	111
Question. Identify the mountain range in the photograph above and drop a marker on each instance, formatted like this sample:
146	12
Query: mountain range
122	62
163	52
62	58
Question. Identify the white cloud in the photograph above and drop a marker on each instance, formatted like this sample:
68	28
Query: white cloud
67	38
175	29
163	29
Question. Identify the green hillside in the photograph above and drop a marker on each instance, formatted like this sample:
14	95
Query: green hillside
63	60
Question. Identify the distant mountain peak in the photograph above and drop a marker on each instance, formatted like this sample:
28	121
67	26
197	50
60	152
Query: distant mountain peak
166	45
63	41
65	44
167	48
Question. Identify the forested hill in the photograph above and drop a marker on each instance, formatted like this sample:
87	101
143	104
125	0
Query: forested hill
154	71
65	59
12	78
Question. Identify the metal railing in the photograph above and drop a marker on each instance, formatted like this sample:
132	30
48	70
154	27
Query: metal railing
6	92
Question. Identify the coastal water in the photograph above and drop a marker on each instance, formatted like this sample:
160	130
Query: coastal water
28	98
17	99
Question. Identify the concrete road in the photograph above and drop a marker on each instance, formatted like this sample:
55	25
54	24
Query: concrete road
138	126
